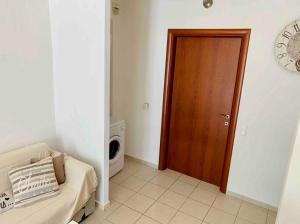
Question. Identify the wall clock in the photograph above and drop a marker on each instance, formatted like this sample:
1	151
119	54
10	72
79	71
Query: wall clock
287	47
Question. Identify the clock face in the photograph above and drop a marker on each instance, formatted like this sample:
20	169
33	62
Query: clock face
287	47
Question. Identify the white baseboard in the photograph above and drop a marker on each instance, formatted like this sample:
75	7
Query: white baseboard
155	166
103	206
258	203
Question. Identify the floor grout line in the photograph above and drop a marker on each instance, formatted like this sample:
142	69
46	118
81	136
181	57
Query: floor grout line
179	209
137	192
176	178
187	197
157	201
236	217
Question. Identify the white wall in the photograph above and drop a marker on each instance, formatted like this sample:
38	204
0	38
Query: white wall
26	93
80	30
289	207
270	100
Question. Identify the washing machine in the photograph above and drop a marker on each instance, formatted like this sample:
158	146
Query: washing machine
116	147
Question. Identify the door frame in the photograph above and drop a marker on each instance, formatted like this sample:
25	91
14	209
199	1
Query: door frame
244	34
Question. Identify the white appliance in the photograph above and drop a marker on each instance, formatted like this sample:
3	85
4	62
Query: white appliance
116	147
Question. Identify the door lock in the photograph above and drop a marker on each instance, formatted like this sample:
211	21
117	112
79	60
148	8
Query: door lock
226	116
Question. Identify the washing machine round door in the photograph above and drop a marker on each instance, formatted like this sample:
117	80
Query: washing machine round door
114	148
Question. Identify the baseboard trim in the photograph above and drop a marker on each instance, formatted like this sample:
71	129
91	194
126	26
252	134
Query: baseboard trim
246	199
155	166
103	206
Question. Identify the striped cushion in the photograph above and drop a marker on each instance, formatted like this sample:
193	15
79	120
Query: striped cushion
33	182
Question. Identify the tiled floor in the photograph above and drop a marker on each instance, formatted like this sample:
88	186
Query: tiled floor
142	195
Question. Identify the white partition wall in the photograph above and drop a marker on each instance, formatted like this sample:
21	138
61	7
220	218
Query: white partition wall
289	210
80	39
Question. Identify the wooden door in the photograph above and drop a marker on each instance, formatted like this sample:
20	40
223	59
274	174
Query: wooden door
205	71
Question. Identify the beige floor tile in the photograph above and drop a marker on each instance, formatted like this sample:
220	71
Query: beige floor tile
105	222
96	222
152	190
242	221
121	194
170	173
132	167
253	213
163	180
139	203
161	213
134	177
182	188
112	185
147	173
203	196
146	220
99	214
112	207
124	215
133	183
227	204
209	187
189	180
195	209
181	218
172	199
93	218
120	177
271	217
216	216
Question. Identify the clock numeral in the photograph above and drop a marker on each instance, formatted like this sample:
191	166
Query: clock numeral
288	63
291	61
296	27
287	34
280	56
280	45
